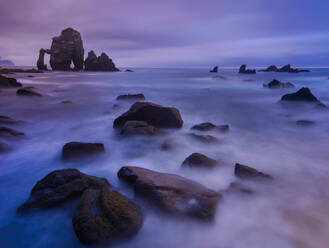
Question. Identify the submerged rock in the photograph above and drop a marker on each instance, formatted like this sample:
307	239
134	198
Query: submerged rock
153	114
276	84
207	126
305	123
303	94
101	63
60	186
6	131
6	82
246	172
243	69
204	138
172	193
139	96
215	69
104	216
198	160
76	150
139	128
28	91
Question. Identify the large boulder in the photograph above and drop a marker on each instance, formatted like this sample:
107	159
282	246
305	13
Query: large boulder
198	160
139	128
153	114
67	48
172	193
243	69
303	94
75	150
28	91
246	172
104	216
101	63
6	82
136	97
276	84
60	186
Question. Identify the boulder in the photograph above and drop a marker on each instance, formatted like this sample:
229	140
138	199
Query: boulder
172	193
139	128
101	63
276	84
153	114
204	138
60	186
76	150
104	215
198	160
305	123
246	172
6	82
243	69
67	48
139	96
5	132
28	91
303	94
215	69
207	126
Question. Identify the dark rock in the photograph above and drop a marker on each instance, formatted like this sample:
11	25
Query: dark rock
30	76
153	114
67	48
139	128
172	193
207	126
104	216
246	172
305	123
128	70
276	84
60	186
66	102
289	69
5	131
28	91
239	188
6	82
76	150
101	63
243	69
215	69
17	70
271	68
304	94
131	97
198	160
204	138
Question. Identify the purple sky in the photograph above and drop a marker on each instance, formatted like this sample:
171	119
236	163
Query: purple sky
173	33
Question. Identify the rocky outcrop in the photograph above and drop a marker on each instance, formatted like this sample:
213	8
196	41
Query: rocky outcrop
243	69
285	68
6	82
276	84
207	126
136	97
76	150
215	69
65	49
303	94
172	193
6	131
153	114
271	68
139	128
60	186
101	63
28	91
41	60
246	172
198	160
105	216
204	138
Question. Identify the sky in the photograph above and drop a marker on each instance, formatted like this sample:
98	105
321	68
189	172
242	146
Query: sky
173	33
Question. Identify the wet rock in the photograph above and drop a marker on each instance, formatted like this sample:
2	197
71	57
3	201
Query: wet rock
101	63
153	114
67	48
6	82
136	97
139	128
76	150
28	91
204	138
271	68
305	123
60	186
172	193
239	188
5	132
104	216
198	160
128	70
276	84
246	172
243	69
303	94
215	69
207	126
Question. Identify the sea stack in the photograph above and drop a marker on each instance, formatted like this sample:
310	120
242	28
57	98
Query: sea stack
101	63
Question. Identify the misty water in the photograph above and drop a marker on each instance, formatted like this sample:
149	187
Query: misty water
291	211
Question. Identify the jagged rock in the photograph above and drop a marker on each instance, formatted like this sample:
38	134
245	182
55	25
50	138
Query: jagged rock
60	186
104	216
139	96
67	48
204	138
287	68
172	193
76	150
246	172
198	160
305	123
271	68
303	94
139	128
207	126
5	131
101	63
215	69
243	69
28	91
276	84
16	70
153	114
6	82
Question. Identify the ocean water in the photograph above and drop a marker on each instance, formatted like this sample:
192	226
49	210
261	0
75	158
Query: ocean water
290	212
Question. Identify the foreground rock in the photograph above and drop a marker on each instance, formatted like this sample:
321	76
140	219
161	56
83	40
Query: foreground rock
139	128
215	69
28	91
303	94
6	82
198	160
104	216
136	97
101	63
276	84
172	193
243	70
5	132
204	138
60	186
246	172
76	150
207	126
153	114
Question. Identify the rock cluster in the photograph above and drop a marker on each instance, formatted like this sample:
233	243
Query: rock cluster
101	63
276	84
243	69
303	94
285	68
